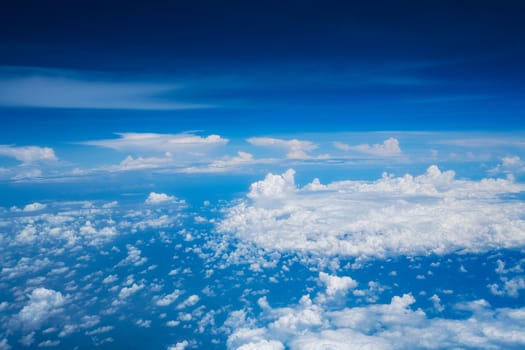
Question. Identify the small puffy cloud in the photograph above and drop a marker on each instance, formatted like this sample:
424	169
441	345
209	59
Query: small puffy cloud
28	154
126	292
179	346
168	299
296	149
134	257
157	198
143	323
509	165
34	207
190	301
43	303
337	285
509	288
390	147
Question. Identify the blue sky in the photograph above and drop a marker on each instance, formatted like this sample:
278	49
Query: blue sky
262	175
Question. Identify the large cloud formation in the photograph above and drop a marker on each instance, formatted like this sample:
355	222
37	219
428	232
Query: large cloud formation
430	213
314	324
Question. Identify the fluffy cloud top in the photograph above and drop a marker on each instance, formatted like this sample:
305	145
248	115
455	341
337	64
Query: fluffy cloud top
157	198
296	149
430	213
28	154
34	207
43	303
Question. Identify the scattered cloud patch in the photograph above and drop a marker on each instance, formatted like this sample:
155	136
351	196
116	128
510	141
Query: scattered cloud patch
43	303
28	154
34	207
158	198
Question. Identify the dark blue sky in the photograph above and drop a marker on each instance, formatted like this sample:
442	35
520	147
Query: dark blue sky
294	64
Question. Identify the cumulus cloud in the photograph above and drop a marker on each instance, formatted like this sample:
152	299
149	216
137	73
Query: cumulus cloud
43	303
168	299
390	147
133	258
337	285
296	149
157	198
396	325
28	154
34	207
509	165
430	213
179	346
190	301
126	292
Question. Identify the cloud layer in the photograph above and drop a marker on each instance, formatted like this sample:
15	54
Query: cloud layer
317	324
430	213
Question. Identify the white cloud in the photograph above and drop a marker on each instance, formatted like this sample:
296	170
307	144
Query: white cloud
143	323
168	299
337	285
396	325
430	213
157	198
110	279
126	292
160	143
296	149
179	346
43	303
134	257
100	330
390	147
227	164
190	301
34	207
509	165
49	343
28	154
138	163
510	287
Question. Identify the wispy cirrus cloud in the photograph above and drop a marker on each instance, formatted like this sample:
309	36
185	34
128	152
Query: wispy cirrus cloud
56	88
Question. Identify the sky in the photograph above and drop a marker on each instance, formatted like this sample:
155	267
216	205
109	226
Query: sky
262	174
